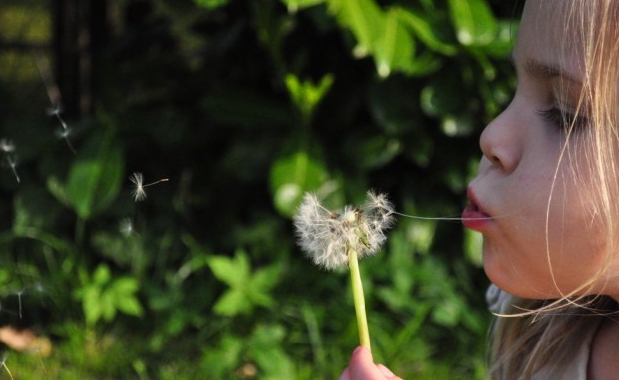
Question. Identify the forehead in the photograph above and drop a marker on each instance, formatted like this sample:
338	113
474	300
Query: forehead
548	34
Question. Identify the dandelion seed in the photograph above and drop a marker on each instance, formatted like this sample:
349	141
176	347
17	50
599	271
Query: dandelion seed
126	227
5	356
54	111
12	161
138	192
7	146
19	302
55	97
326	236
64	134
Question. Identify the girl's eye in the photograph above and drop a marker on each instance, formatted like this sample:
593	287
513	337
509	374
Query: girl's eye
564	120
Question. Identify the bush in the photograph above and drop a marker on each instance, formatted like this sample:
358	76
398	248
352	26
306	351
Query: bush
243	106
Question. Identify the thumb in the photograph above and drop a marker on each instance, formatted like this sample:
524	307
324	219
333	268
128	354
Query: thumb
362	366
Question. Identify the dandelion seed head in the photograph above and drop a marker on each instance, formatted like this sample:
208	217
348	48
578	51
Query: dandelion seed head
326	236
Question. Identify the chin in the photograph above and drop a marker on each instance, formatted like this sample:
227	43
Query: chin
509	281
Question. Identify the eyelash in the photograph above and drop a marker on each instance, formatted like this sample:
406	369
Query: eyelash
563	120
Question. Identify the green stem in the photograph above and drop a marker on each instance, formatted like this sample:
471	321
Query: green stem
358	298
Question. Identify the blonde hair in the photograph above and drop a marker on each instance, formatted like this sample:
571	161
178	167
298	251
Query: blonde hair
549	333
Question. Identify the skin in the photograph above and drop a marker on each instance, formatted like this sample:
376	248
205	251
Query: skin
541	240
362	367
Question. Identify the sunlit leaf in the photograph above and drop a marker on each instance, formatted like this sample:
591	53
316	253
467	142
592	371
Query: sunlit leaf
291	177
474	21
305	94
246	289
297	5
395	48
230	270
365	20
473	247
231	303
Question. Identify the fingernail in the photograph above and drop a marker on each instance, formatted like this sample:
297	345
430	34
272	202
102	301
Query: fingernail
385	371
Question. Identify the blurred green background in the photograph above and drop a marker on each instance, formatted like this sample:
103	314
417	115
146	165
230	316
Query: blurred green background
243	105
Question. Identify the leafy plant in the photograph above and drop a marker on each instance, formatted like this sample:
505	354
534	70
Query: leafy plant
247	290
103	296
245	105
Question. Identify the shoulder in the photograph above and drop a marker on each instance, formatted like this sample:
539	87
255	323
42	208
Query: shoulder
604	353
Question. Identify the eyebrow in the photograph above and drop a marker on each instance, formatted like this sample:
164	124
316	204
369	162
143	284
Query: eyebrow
539	69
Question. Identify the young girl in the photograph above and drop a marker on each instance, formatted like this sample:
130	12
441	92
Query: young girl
546	200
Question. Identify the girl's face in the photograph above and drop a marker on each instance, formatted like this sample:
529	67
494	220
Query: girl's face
541	235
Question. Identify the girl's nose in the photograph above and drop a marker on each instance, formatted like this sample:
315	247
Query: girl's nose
499	141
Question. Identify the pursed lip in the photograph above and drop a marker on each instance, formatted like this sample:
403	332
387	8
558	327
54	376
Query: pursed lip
474	216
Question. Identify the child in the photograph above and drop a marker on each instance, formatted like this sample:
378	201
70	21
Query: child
546	200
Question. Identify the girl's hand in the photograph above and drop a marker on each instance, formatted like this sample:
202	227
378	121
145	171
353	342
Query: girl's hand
362	367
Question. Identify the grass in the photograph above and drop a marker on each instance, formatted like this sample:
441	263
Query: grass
85	356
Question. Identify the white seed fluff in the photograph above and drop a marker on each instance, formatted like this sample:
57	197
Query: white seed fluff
138	192
326	237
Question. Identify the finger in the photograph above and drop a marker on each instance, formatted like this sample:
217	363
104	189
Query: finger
362	365
345	374
387	372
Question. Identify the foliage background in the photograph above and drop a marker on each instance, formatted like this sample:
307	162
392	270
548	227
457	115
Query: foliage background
244	105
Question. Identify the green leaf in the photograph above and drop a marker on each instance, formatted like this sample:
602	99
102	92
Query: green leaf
247	289
232	302
473	247
211	4
503	43
306	95
102	275
57	188
130	306
125	285
291	177
231	271
474	22
265	278
266	349
108	306
395	48
260	284
91	304
297	5
103	296
425	27
95	177
365	20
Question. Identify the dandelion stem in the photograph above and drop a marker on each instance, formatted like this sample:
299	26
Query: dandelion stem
358	298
